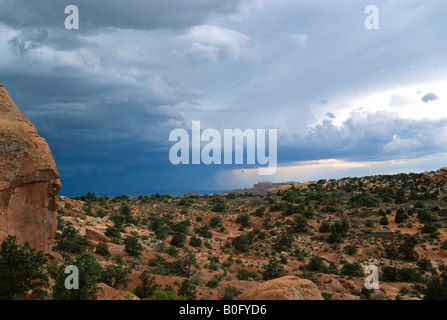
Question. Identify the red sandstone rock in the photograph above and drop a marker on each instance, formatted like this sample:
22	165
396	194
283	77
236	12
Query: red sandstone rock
109	293
284	288
331	284
96	236
29	181
436	177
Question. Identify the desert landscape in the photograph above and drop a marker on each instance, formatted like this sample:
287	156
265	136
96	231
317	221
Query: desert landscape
316	237
291	241
221	159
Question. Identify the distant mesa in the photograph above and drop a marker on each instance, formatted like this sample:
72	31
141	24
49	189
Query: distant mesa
29	180
270	187
190	194
261	188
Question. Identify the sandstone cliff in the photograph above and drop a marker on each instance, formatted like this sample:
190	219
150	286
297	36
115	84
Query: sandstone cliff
29	180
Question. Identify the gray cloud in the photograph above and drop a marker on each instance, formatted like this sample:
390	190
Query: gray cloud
374	136
429	97
136	70
28	40
137	14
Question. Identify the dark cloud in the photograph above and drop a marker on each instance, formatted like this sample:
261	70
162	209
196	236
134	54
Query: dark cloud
106	96
372	136
429	97
28	40
135	14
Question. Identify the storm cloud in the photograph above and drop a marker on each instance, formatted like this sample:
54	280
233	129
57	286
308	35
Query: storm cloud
107	95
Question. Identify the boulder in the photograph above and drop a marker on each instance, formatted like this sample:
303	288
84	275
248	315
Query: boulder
284	288
52	255
331	284
29	180
96	236
108	293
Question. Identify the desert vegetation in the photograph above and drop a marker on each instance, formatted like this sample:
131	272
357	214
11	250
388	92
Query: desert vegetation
218	246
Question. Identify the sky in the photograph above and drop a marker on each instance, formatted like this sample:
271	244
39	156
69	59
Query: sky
345	100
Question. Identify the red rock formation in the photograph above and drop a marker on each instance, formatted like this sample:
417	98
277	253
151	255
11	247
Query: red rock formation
29	181
109	293
96	236
436	177
284	288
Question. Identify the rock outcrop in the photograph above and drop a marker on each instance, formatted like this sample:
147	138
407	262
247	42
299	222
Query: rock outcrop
436	177
284	288
289	186
109	293
29	180
96	236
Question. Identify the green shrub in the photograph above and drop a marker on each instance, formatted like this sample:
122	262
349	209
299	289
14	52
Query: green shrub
325	226
391	251
283	241
178	239
260	211
407	250
103	250
204	232
70	240
187	289
195	242
384	221
273	270
219	205
230	293
113	233
436	289
213	283
242	243
21	269
401	216
166	294
172	251
351	269
132	246
115	276
299	224
243	274
243	219
363	200
89	273
350	249
334	237
215	222
147	287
